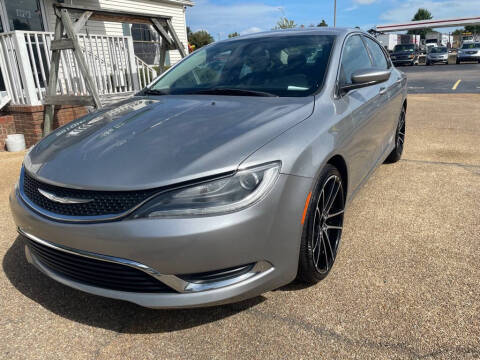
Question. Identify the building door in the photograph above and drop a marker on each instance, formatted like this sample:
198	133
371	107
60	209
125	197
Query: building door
21	15
2	82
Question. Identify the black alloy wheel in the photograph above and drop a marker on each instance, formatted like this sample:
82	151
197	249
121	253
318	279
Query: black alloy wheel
396	153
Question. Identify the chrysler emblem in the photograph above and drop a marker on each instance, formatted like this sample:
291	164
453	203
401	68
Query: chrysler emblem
63	200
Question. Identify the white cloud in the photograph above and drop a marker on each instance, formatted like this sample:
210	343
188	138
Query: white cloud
440	9
220	20
364	2
251	30
351	8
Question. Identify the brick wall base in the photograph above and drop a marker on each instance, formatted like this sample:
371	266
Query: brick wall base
29	119
7	127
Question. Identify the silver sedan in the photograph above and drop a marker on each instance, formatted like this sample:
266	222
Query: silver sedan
226	177
437	55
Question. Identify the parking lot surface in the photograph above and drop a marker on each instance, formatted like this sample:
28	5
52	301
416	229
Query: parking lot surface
461	78
406	284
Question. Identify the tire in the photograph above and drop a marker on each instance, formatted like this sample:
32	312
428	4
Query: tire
322	229
458	62
396	153
428	63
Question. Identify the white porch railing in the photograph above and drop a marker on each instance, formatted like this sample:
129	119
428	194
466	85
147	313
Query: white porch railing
25	65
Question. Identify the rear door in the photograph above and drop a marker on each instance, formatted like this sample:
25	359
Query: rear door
389	99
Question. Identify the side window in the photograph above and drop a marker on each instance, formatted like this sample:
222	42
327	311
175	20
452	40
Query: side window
379	59
355	57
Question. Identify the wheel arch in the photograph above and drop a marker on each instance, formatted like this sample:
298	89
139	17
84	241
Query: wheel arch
339	162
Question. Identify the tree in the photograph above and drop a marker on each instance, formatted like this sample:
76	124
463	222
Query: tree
234	34
323	23
199	38
474	29
421	14
284	23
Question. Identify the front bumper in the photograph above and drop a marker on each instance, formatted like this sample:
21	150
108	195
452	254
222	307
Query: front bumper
404	61
468	57
267	233
437	60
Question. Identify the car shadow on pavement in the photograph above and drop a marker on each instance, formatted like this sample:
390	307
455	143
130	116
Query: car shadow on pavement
102	312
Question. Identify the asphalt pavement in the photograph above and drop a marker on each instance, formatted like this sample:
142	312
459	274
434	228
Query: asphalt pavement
406	284
443	79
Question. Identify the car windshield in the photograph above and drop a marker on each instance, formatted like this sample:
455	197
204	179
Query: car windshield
407	47
438	50
471	46
267	66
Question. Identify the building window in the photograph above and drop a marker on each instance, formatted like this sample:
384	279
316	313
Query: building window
146	44
24	15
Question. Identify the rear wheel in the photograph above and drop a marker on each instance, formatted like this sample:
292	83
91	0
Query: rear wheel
396	154
323	227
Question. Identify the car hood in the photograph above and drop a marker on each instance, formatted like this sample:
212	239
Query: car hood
147	142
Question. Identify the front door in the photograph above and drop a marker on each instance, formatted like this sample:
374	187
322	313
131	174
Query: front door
363	106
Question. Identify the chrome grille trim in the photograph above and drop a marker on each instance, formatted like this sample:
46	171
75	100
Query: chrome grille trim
77	219
260	268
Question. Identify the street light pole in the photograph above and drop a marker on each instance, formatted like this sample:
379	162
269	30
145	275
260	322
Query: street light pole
335	13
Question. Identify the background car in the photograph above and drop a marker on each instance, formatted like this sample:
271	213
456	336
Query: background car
225	178
469	52
437	55
405	54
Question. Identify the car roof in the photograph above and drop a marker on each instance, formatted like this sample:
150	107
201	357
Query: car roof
299	31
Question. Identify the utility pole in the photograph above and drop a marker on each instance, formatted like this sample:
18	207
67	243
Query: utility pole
334	13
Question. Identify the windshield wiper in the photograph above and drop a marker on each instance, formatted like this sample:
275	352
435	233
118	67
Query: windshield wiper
153	92
233	92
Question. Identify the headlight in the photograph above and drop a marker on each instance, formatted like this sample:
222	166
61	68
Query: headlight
393	57
223	195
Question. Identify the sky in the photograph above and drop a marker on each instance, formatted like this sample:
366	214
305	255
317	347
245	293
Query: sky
221	17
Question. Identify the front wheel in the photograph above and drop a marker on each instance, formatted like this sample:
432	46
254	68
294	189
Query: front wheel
396	153
322	227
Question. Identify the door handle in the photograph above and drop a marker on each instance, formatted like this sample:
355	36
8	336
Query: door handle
383	90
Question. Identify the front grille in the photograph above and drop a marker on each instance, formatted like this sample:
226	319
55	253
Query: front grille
94	272
104	202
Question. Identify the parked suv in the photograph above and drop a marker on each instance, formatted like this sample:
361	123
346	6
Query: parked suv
405	54
469	52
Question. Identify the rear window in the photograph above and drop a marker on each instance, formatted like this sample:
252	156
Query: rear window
438	50
407	47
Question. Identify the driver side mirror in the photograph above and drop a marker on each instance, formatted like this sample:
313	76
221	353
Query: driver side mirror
363	78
